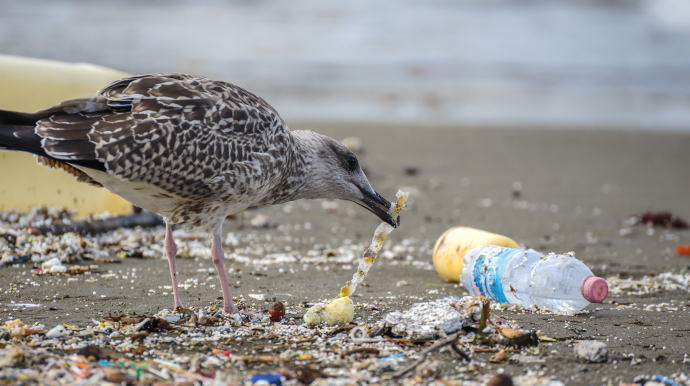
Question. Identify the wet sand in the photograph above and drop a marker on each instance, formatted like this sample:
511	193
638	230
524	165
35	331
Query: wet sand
578	188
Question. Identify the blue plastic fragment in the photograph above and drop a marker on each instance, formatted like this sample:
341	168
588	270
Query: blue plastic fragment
664	380
272	379
398	355
103	362
16	260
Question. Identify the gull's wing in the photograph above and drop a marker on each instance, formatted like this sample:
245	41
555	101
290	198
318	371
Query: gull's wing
176	132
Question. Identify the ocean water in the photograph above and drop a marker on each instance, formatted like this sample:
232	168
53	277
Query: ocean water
622	64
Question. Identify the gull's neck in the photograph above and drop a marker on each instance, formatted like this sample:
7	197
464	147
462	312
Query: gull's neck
296	176
306	145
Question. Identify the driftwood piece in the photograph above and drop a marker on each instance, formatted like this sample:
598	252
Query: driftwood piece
451	340
144	219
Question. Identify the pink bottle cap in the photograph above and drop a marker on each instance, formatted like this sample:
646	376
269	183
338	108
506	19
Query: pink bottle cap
594	289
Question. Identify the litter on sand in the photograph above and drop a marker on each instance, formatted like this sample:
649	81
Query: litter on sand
372	251
341	309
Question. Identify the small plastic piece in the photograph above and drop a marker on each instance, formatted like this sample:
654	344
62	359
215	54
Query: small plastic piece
337	311
683	249
270	378
57	331
376	243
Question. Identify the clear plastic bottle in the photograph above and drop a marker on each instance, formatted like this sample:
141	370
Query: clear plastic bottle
557	283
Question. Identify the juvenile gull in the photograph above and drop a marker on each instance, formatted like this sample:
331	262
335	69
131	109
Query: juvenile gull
191	149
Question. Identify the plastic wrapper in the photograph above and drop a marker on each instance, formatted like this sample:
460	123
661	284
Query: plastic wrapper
370	253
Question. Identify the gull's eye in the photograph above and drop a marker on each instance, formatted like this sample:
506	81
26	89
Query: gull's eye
351	163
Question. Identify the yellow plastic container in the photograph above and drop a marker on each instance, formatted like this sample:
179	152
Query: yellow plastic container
29	85
450	249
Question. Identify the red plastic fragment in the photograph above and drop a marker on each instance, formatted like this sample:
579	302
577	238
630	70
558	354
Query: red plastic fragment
683	249
33	231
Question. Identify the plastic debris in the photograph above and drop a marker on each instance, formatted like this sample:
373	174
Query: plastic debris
429	320
337	311
57	331
220	351
683	249
555	283
267	379
665	380
370	253
592	351
426	320
450	249
53	265
106	351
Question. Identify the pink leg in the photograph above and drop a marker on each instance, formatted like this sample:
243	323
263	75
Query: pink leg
218	257
170	252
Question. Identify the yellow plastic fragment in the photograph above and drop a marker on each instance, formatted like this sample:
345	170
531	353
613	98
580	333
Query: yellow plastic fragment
337	311
451	247
345	291
13	323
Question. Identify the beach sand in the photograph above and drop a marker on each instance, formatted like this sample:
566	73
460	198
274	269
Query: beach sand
578	189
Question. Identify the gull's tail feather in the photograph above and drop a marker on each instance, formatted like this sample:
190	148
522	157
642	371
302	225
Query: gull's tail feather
17	132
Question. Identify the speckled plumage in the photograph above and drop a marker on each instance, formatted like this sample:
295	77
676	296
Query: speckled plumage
199	149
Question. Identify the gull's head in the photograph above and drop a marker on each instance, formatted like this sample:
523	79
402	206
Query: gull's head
335	173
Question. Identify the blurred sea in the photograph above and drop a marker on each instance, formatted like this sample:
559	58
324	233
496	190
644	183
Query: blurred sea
583	63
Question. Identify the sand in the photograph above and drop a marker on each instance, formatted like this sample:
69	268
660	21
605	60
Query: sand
578	188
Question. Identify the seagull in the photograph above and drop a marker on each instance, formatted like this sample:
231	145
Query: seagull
192	150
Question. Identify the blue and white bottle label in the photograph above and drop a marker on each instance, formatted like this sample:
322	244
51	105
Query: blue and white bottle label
486	273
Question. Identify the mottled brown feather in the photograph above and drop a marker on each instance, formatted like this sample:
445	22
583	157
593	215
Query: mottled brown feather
54	164
184	134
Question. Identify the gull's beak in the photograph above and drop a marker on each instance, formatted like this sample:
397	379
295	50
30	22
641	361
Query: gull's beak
378	205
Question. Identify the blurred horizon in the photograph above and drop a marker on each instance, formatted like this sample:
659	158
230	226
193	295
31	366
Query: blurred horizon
591	64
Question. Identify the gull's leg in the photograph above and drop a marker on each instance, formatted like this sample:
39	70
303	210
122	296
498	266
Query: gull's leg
170	252
218	257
